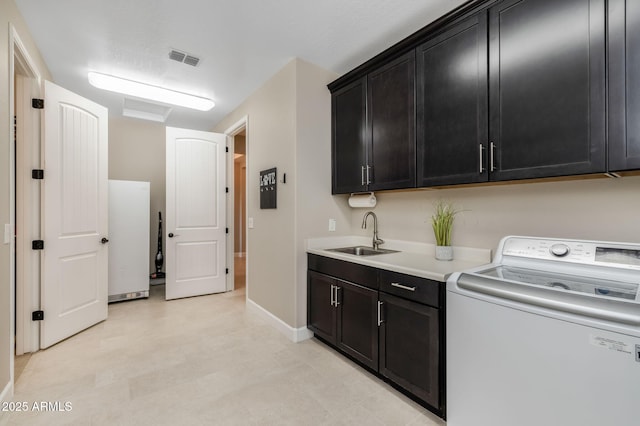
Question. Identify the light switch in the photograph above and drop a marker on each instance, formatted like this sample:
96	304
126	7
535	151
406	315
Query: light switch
250	223
332	225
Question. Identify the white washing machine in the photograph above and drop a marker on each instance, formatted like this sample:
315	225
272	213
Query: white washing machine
548	334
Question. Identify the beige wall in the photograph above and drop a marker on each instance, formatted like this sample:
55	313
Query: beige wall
314	203
284	133
9	14
602	209
137	152
270	142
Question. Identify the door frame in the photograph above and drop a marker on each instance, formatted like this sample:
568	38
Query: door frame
231	132
21	263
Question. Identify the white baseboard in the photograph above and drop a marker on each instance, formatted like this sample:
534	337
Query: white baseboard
294	334
302	333
7	392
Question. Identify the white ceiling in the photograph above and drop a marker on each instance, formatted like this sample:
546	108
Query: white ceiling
241	43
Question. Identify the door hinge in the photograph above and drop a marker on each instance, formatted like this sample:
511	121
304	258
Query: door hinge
37	315
226	149
226	230
37	174
226	271
37	245
37	103
226	190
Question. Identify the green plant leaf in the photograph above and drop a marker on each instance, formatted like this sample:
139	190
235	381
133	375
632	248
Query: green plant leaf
442	223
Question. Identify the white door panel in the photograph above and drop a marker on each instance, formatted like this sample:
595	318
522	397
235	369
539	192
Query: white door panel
195	213
75	214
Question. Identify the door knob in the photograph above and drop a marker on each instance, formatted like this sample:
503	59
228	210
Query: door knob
170	234
104	240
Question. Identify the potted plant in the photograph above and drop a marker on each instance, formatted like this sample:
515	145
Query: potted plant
442	222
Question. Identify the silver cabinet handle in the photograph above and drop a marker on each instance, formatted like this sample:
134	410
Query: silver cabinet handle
492	166
482	148
368	176
362	175
404	287
337	302
380	320
332	298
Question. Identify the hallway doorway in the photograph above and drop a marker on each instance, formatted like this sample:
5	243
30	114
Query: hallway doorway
238	256
239	209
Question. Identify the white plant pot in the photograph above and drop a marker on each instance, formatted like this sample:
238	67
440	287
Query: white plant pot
444	253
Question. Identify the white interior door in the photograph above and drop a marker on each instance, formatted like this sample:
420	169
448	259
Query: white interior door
195	213
75	215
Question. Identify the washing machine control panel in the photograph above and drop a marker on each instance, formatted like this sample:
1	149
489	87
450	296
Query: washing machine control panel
620	255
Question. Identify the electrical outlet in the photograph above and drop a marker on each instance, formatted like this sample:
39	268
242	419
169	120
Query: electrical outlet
332	225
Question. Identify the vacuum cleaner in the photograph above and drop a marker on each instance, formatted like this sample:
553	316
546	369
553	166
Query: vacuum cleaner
159	256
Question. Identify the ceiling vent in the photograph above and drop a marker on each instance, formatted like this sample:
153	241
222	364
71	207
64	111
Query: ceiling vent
177	56
191	60
183	57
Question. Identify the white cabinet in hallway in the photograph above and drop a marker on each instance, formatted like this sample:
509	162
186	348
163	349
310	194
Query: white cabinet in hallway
129	216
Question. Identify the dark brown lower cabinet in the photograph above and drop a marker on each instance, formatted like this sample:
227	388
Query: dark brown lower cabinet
345	315
357	322
321	314
410	347
389	322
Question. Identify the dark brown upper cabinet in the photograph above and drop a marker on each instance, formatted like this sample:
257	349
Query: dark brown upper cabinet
452	105
391	112
504	90
373	142
348	139
624	85
547	88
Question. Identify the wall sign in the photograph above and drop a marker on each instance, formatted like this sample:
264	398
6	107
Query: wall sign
268	189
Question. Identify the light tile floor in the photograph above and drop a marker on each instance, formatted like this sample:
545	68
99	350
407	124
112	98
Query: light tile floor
201	361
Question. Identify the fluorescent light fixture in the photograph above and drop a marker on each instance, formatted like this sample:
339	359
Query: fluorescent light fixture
146	91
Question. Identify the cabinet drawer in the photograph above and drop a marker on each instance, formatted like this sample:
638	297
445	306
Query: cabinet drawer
347	271
412	288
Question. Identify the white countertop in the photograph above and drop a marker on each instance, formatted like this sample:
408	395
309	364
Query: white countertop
417	259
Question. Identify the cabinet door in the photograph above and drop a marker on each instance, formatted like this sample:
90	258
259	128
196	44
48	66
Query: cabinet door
624	85
348	154
547	79
357	333
409	347
453	105
321	315
391	116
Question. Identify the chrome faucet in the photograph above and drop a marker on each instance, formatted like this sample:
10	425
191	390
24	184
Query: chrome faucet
376	241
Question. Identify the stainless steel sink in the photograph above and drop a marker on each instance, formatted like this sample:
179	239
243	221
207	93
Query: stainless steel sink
362	250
